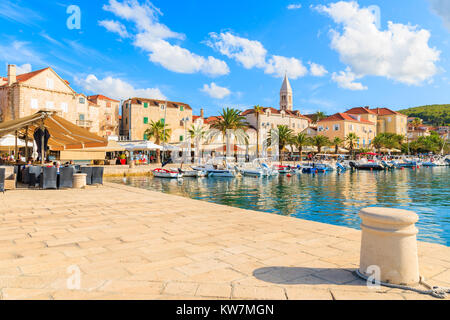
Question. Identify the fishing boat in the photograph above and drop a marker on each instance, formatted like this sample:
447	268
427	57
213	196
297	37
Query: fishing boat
164	173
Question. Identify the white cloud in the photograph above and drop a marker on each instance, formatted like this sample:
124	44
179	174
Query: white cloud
279	66
216	91
20	52
294	6
442	9
25	68
247	52
401	52
178	59
346	80
153	37
117	88
317	69
252	54
115	26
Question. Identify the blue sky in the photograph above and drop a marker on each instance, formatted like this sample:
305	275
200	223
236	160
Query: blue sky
214	54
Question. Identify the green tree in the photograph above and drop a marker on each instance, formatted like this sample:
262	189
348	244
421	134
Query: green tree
319	115
301	140
284	134
229	119
337	142
160	132
351	141
320	141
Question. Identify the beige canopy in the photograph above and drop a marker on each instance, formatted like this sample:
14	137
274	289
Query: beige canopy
64	134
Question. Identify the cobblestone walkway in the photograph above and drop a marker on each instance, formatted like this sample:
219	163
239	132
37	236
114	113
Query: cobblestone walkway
129	243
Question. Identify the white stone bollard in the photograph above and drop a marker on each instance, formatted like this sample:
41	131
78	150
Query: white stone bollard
388	242
79	180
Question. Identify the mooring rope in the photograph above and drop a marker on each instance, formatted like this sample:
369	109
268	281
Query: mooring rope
435	291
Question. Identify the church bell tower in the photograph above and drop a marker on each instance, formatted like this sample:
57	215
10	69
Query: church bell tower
286	101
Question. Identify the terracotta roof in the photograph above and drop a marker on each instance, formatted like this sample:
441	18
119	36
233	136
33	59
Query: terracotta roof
101	97
343	117
195	117
212	119
156	103
386	112
25	76
275	111
29	75
360	110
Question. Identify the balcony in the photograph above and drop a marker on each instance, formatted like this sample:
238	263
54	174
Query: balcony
84	123
108	124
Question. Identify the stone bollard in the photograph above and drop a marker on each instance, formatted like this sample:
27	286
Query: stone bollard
388	242
79	180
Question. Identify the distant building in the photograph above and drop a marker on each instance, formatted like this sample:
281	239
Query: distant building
390	121
138	113
341	124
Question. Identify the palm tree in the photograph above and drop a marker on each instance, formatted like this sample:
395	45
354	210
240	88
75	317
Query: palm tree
379	142
160	132
301	140
351	139
229	119
319	115
284	135
258	110
321	141
197	133
337	142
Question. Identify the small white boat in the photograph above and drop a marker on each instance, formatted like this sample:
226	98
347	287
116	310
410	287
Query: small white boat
194	174
164	173
258	168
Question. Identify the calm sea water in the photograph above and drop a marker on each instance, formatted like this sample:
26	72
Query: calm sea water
330	198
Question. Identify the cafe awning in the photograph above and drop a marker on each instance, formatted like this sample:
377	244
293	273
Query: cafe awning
64	135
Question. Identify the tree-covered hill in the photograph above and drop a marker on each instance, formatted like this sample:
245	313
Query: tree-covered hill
436	114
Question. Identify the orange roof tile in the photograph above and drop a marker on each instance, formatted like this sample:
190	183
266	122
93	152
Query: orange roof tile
343	117
101	97
386	111
360	110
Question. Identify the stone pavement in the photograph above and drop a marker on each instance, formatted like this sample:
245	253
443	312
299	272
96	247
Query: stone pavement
129	243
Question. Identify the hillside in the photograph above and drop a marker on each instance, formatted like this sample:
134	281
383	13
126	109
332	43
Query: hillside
436	114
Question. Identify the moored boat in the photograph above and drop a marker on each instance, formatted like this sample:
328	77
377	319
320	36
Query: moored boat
164	173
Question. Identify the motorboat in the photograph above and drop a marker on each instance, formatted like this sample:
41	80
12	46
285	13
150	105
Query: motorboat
316	167
362	165
218	167
194	173
258	168
282	169
164	173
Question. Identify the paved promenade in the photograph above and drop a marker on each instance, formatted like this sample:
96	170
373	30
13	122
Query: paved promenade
129	243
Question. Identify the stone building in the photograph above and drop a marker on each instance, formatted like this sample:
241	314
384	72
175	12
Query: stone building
109	109
25	94
387	120
137	114
286	97
341	124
